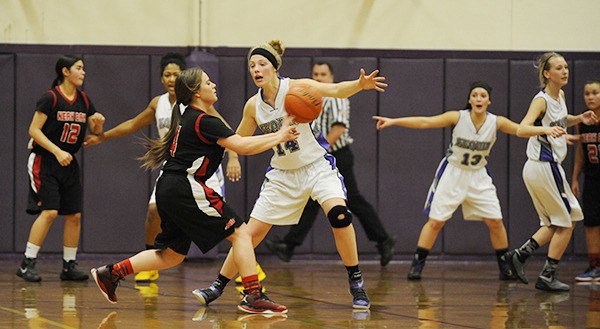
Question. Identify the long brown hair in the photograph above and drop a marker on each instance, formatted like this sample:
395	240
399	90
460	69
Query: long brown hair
187	83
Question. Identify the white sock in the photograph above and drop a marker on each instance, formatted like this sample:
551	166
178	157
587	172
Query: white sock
31	250
69	253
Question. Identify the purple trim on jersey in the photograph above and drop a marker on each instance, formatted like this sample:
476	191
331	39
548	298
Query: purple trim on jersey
558	179
436	180
322	141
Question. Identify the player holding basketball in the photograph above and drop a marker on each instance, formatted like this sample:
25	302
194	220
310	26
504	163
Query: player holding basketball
462	178
587	161
546	125
190	210
299	170
62	117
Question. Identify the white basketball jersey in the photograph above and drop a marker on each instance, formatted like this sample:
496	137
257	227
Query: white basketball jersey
543	147
163	114
288	155
470	147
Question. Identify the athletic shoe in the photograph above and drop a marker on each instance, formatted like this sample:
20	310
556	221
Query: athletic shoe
146	276
261	275
414	273
207	295
386	250
506	274
550	284
106	282
281	249
27	270
259	303
590	275
70	272
516	266
360	300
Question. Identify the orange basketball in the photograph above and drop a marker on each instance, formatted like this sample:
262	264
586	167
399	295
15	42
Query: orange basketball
303	102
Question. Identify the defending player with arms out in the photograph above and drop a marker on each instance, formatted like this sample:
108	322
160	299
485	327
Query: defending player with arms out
587	161
62	116
546	125
462	178
299	170
190	210
334	124
159	111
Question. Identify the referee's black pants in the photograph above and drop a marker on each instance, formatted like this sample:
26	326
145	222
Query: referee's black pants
357	204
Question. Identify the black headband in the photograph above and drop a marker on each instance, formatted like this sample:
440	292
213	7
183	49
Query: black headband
267	54
481	84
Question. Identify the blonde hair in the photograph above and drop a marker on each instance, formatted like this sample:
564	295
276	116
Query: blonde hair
273	50
543	64
187	83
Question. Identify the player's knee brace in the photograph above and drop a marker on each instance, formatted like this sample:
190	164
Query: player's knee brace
339	217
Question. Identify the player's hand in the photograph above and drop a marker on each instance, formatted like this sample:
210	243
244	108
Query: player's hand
64	158
288	132
589	118
97	119
556	131
382	122
93	140
371	81
572	139
575	188
234	169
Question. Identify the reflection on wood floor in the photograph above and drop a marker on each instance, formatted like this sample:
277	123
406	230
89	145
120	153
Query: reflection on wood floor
454	293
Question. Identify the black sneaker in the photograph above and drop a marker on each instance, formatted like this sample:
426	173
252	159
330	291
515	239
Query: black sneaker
207	295
414	273
70	272
550	284
106	282
516	266
281	249
386	250
506	274
27	270
360	299
259	303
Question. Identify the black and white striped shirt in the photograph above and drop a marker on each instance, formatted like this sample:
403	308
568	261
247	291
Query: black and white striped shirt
335	111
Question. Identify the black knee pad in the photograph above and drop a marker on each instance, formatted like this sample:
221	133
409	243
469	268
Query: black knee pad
334	217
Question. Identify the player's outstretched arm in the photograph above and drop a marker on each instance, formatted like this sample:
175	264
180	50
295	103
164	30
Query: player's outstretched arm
419	122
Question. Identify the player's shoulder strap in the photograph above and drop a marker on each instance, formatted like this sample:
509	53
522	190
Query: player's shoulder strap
55	98
83	95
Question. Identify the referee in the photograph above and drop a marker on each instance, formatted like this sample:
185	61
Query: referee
333	124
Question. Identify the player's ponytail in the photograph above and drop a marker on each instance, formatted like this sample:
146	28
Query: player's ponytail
64	61
187	83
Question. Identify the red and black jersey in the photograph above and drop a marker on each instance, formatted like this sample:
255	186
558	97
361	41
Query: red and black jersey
590	141
194	150
67	119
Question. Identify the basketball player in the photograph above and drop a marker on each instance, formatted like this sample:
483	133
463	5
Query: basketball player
159	111
334	125
546	125
298	171
587	161
62	116
189	209
462	178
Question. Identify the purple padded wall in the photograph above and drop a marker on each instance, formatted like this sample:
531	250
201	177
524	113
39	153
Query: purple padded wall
7	148
116	190
408	158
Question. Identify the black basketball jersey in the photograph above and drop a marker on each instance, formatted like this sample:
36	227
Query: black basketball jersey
67	120
590	141
194	150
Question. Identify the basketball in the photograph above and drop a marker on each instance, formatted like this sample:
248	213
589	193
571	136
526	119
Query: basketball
303	102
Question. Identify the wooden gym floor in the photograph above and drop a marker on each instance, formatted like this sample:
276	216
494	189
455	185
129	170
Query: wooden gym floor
454	293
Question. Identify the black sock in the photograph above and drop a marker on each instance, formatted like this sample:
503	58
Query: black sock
527	249
550	267
421	254
500	253
221	282
354	273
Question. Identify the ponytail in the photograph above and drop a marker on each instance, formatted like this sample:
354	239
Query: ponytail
187	83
